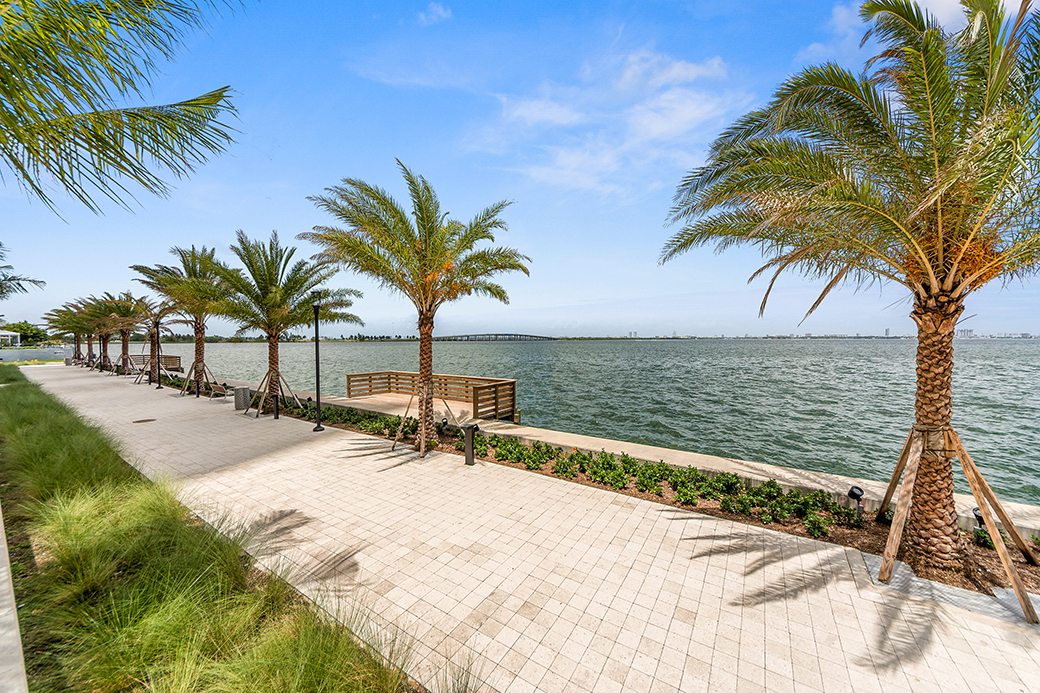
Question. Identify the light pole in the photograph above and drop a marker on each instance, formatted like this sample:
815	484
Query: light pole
316	301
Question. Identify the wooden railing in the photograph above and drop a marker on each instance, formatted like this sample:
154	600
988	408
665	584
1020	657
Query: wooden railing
491	398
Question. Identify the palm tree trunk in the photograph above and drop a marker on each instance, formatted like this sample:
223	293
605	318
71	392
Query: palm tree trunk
78	354
124	354
90	350
274	382
200	351
104	362
932	538
426	433
153	353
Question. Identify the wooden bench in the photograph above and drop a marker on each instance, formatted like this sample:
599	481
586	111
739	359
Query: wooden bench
169	362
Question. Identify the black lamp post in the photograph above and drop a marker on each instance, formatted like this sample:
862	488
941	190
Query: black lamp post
316	301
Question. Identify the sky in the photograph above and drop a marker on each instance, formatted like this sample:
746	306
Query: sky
585	115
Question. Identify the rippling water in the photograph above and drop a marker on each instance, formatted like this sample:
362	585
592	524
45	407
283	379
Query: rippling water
839	406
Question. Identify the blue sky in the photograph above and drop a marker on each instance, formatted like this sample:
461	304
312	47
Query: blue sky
586	114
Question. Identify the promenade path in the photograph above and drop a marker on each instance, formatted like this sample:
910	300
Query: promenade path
535	583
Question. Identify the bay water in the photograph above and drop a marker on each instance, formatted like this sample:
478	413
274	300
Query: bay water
833	405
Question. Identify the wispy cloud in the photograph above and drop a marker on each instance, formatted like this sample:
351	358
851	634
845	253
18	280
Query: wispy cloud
434	13
539	111
615	123
845	30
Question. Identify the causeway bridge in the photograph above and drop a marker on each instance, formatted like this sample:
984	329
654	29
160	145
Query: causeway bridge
494	337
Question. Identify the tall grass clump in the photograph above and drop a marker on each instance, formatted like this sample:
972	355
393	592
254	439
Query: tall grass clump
124	589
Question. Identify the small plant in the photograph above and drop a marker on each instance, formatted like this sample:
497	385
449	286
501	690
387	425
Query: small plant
982	538
604	469
650	476
565	466
740	504
629	464
765	517
816	525
1036	541
686	495
582	459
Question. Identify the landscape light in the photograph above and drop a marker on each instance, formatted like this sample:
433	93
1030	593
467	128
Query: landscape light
979	518
856	494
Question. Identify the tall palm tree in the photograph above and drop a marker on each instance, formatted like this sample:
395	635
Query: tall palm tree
273	294
193	287
11	283
922	172
69	69
426	256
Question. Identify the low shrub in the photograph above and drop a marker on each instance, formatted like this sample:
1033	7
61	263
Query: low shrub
565	466
816	524
686	495
982	538
605	469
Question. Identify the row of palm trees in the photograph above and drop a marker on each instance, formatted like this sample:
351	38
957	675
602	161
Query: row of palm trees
419	252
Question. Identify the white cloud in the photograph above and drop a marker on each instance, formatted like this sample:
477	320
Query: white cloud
656	70
672	113
845	29
538	111
434	13
623	122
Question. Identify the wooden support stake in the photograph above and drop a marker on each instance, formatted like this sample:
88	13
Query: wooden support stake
971	472
260	396
895	533
1005	519
896	473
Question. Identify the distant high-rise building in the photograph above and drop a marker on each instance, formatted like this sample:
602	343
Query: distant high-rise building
887	332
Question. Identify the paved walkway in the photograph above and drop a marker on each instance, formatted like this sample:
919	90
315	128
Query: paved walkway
536	583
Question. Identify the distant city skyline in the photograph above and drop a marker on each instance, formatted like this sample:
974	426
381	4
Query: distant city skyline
585	115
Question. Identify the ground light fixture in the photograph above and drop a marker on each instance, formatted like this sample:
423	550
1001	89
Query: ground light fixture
979	518
316	303
856	494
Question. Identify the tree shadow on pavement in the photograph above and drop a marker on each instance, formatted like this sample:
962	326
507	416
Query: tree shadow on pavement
906	625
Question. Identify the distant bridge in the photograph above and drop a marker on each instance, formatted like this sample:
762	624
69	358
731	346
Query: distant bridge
495	337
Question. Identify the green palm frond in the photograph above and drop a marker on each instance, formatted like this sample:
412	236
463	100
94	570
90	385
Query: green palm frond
11	283
70	67
420	253
272	294
924	171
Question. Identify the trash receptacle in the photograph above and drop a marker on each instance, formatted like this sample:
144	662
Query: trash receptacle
68	361
241	398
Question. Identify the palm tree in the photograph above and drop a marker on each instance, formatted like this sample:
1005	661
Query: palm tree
97	313
922	172
123	314
193	287
10	283
428	257
273	294
69	321
155	315
69	69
